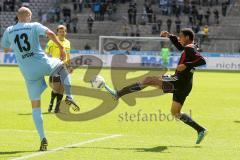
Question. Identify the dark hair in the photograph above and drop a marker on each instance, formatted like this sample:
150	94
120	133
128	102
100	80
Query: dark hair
188	32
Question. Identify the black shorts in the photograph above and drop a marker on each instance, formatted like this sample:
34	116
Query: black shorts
179	88
53	79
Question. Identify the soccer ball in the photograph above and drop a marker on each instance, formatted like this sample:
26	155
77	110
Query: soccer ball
98	82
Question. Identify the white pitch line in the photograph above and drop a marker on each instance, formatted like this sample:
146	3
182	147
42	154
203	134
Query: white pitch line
53	132
67	146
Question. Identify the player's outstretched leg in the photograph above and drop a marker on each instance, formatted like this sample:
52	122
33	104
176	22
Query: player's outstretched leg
148	81
38	121
176	111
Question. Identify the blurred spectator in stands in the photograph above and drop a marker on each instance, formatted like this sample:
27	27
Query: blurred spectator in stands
134	14
178	24
149	12
110	11
186	8
44	18
143	20
137	31
154	28
136	47
5	6
114	7
154	18
190	19
1	30
130	15
66	12
51	15
74	24
174	6
210	3
132	33
206	31
196	28
13	5
103	11
178	11
159	25
224	8
125	29
200	15
150	15
207	15
25	3
169	24
68	23
96	9
40	13
58	13
80	5
194	14
75	5
90	22
216	16
87	47
0	8
180	4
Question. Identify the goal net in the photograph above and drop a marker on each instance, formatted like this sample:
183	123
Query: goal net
132	45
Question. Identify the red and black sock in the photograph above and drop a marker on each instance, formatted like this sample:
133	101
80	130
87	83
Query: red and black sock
189	121
130	89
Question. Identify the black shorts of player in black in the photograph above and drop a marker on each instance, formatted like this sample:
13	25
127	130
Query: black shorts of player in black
179	89
180	84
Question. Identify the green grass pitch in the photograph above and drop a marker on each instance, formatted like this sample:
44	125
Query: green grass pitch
214	102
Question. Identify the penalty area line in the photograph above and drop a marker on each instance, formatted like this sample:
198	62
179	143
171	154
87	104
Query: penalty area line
67	146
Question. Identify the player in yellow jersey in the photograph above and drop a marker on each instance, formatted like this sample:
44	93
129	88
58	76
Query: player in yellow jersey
53	51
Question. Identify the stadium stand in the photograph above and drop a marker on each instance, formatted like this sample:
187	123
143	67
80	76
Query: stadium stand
136	18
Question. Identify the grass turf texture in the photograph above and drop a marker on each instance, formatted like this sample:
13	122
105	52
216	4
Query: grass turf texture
214	102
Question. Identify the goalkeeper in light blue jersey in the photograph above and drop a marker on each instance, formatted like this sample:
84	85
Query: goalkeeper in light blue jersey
23	40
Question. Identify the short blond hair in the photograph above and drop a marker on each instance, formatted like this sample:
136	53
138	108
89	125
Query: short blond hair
24	13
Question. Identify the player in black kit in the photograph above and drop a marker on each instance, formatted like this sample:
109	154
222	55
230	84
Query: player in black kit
180	84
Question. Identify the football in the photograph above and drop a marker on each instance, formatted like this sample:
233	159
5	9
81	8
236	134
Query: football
98	82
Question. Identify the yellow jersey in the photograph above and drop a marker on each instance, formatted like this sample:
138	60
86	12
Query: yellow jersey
206	30
53	50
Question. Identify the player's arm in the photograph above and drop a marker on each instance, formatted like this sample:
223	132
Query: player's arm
195	57
6	43
43	30
52	36
173	39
